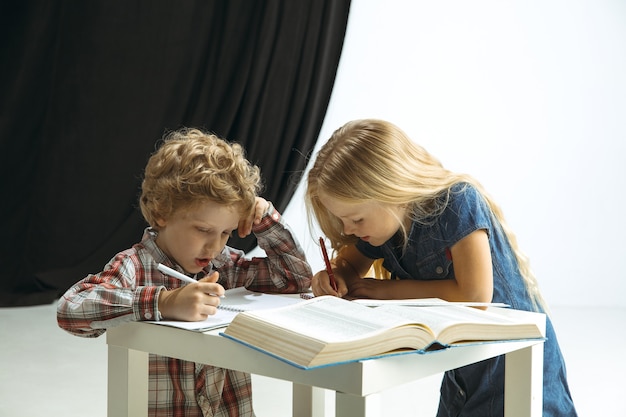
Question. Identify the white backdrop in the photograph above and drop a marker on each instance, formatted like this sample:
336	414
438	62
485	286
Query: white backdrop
527	96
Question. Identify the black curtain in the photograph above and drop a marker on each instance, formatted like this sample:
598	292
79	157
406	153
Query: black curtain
88	87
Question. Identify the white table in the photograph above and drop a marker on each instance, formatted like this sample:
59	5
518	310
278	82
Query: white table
357	385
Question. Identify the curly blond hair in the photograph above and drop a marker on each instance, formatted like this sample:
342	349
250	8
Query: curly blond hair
191	167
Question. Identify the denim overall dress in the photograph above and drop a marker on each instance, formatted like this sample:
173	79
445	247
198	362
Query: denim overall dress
475	390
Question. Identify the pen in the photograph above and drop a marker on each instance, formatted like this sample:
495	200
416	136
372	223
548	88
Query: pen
329	269
175	274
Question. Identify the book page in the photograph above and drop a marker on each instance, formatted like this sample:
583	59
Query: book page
440	317
221	318
423	302
235	301
242	299
350	321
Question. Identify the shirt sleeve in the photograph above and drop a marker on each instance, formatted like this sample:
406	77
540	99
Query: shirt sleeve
109	298
284	269
466	212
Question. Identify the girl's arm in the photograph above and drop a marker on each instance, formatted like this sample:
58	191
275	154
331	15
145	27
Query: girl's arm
473	280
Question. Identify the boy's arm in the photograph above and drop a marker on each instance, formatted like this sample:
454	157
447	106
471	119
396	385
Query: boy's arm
285	268
107	299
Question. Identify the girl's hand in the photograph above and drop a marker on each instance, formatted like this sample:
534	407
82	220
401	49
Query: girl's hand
193	302
320	284
371	288
245	224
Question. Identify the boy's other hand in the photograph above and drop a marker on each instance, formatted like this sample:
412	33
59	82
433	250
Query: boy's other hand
193	302
245	224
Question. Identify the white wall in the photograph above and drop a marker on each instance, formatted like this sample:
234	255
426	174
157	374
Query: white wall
527	96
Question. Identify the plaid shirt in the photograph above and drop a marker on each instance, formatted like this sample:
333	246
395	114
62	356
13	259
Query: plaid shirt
128	290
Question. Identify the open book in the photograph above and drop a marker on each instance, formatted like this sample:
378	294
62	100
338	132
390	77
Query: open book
329	330
235	301
423	302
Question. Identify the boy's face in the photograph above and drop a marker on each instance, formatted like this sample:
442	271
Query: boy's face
193	237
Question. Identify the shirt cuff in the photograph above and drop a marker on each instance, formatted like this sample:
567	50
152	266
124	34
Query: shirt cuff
269	219
146	303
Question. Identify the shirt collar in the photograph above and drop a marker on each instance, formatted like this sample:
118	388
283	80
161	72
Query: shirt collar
149	242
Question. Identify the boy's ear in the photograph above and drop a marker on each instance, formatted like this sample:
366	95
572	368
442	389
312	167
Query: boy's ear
161	222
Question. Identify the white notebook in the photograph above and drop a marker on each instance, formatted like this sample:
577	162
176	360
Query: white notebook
235	301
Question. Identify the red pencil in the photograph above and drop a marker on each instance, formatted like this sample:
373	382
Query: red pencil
329	269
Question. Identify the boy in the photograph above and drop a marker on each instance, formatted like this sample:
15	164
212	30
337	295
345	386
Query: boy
197	190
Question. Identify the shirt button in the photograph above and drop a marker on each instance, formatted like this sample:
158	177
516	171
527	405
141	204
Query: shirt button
275	216
147	315
439	270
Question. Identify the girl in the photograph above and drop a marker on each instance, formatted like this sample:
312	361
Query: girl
386	204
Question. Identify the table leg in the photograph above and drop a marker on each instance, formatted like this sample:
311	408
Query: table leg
127	383
348	405
308	401
523	382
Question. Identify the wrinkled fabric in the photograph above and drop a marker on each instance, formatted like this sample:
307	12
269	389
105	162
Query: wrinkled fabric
475	390
128	290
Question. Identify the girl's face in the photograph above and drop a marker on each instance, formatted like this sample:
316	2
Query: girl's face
371	221
193	237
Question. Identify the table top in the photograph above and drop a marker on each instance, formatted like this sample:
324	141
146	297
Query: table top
359	378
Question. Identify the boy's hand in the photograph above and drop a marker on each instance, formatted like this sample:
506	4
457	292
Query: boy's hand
193	302
245	223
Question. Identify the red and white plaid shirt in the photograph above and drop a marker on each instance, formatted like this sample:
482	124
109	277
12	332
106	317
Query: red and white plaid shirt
128	290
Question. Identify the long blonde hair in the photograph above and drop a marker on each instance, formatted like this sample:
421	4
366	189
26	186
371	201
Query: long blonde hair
374	160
